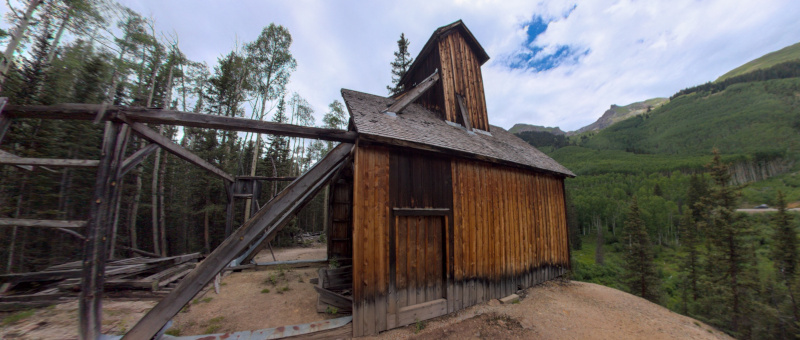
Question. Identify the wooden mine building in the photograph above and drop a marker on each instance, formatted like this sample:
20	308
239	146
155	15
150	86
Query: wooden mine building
447	210
437	209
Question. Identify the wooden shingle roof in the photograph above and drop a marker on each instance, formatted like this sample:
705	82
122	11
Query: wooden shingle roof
420	128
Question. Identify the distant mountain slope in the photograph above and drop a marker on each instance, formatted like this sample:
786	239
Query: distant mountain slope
519	128
745	118
620	113
785	54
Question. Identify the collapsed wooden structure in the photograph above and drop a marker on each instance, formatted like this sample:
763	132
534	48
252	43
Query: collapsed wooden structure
438	209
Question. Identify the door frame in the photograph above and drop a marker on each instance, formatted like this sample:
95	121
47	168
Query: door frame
396	316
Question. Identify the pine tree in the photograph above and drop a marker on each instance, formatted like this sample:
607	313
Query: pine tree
784	251
640	275
729	277
402	61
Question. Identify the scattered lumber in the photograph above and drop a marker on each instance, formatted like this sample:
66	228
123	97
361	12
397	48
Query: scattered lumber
135	278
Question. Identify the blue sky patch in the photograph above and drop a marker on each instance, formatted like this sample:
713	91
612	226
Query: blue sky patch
538	57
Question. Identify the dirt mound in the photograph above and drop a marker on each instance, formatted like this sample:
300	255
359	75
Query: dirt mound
558	310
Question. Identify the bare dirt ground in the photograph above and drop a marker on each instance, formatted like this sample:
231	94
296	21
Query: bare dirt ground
558	310
554	310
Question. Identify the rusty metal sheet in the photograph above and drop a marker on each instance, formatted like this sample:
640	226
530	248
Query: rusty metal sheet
262	334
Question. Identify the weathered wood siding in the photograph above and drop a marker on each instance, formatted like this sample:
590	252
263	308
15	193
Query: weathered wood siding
434	235
510	230
370	239
340	224
461	74
433	99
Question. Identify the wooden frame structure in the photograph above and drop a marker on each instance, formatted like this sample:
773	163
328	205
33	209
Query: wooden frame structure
120	122
436	209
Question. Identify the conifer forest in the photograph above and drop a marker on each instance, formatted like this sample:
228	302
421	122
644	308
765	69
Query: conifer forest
97	51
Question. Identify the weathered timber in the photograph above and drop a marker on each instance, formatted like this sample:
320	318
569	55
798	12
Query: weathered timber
412	95
169	117
137	157
270	218
176	149
464	112
268	178
11	155
93	271
341	302
236	124
73	233
67	163
19	222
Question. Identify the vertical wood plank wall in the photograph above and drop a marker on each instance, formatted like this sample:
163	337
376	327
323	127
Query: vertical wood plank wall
370	239
461	74
510	230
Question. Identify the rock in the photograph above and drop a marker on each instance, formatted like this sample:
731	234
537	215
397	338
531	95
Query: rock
494	302
510	299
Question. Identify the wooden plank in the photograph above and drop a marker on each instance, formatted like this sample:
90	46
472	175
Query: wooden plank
176	149
137	157
67	163
412	95
268	218
170	117
339	301
423	311
19	222
421	211
11	155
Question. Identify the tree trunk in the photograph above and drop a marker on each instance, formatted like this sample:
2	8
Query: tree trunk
162	173
57	39
135	205
205	231
11	246
16	37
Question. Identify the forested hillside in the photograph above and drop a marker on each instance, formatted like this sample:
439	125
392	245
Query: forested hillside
653	212
97	51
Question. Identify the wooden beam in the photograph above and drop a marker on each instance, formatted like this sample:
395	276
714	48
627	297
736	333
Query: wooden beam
68	163
169	117
133	160
412	95
268	219
464	112
268	178
9	222
236	124
11	155
167	144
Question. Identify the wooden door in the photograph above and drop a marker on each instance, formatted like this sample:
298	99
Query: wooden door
419	264
421	214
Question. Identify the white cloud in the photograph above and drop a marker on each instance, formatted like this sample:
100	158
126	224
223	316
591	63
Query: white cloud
637	49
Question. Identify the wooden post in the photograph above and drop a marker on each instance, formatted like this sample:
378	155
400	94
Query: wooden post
122	144
229	209
94	253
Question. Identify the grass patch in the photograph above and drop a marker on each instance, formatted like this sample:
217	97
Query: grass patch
21	315
283	289
419	326
174	331
265	291
203	300
331	310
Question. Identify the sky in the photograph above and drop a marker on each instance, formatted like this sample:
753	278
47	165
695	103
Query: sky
553	63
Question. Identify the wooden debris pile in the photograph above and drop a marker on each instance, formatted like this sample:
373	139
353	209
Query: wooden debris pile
335	289
137	277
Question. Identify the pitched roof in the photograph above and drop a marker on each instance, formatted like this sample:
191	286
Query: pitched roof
459	25
420	128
